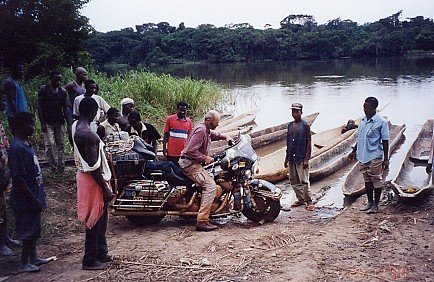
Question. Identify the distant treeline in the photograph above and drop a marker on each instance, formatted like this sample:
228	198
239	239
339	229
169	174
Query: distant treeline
299	37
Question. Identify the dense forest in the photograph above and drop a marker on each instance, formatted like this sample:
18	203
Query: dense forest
47	34
299	37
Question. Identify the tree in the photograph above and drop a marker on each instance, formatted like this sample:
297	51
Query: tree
298	23
42	33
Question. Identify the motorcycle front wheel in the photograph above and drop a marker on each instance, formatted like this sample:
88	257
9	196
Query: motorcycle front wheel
266	209
144	220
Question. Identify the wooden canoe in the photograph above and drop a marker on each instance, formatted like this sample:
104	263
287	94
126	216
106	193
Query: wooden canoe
354	184
241	130
236	122
412	181
271	166
263	137
334	154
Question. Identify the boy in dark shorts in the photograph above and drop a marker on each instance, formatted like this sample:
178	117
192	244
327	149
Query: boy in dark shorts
27	196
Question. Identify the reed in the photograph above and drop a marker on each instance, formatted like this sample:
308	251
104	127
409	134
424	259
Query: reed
155	95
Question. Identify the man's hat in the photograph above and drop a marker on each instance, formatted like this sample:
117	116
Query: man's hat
127	101
297	106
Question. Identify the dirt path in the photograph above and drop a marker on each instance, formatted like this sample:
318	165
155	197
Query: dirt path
396	244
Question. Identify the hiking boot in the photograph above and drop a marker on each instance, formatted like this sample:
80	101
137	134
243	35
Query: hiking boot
96	266
39	261
205	226
28	268
367	207
373	209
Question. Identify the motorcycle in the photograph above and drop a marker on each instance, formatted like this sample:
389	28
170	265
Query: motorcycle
146	196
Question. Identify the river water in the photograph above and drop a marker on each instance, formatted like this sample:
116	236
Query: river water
335	89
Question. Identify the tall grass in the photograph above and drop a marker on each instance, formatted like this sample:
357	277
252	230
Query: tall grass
155	95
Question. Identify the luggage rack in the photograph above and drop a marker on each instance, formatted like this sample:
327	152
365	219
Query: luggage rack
144	194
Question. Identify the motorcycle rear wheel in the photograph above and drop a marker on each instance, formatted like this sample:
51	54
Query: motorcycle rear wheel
144	220
266	209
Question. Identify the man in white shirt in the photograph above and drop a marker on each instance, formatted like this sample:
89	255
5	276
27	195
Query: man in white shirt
103	106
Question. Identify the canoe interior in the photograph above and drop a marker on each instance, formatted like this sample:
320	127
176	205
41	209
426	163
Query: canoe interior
234	123
412	179
333	159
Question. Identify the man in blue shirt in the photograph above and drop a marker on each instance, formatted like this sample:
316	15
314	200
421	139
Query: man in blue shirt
15	99
372	152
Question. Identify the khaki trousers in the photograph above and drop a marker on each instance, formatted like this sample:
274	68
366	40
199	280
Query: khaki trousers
201	177
372	172
299	180
55	145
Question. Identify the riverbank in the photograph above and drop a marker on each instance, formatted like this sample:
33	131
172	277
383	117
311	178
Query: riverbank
324	245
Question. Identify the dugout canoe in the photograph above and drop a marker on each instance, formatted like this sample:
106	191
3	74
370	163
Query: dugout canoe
354	184
263	137
332	152
237	122
412	181
271	166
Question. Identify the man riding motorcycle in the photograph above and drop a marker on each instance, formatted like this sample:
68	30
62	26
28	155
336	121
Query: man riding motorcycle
194	154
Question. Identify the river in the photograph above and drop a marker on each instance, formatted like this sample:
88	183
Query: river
336	89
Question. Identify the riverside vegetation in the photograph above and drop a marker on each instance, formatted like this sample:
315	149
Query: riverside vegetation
155	95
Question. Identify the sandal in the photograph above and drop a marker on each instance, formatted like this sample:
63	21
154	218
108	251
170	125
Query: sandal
310	207
297	204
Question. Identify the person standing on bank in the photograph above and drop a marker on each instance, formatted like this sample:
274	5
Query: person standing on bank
430	165
298	153
176	131
76	88
5	240
27	196
15	99
194	154
372	152
93	191
103	106
53	112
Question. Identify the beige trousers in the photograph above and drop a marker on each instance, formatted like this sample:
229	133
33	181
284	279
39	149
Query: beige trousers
201	177
372	172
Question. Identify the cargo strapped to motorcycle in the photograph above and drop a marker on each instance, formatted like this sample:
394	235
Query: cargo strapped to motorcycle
127	159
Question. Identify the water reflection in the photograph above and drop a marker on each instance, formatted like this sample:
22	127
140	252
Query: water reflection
304	72
336	89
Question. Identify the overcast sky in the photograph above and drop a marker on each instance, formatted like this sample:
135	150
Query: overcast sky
107	15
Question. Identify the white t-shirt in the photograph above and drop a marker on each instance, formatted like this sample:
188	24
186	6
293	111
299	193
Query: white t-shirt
103	107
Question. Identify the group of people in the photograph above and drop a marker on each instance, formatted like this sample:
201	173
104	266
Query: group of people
371	150
96	123
23	179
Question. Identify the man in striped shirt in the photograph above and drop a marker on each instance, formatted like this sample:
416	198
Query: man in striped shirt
176	131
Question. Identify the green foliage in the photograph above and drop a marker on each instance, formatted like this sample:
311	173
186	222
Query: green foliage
299	37
44	34
155	95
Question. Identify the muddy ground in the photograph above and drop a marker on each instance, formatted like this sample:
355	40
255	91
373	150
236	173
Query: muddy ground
396	244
